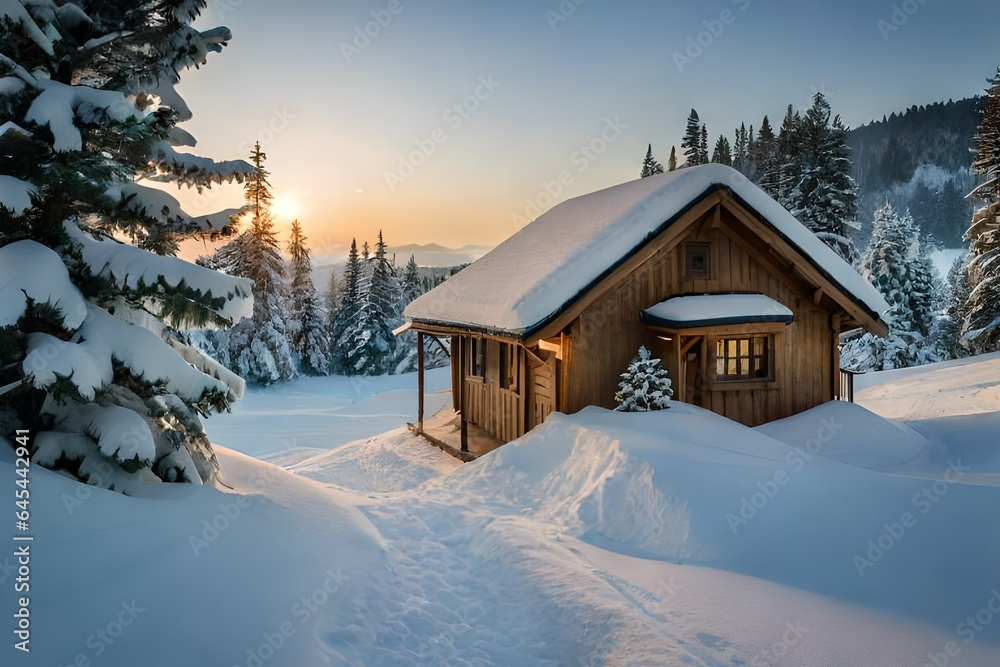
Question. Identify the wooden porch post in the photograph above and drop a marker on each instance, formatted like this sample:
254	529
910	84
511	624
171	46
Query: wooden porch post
464	345
680	372
420	381
835	375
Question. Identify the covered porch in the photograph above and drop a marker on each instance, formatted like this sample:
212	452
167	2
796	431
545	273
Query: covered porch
444	430
449	429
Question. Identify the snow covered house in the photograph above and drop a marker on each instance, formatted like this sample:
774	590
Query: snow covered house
741	302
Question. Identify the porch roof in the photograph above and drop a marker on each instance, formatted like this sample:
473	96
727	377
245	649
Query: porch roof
688	312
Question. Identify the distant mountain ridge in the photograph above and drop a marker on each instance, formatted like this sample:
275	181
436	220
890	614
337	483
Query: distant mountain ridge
433	254
432	258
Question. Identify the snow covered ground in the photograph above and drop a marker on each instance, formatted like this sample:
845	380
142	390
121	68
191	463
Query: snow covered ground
287	422
837	537
960	387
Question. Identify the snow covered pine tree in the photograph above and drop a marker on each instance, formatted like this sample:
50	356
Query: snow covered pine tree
370	346
110	390
694	154
644	386
823	195
310	339
897	264
650	167
258	348
981	328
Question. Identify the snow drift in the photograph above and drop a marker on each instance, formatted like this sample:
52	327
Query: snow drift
812	511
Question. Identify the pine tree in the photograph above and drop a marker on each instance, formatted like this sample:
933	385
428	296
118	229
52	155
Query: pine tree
766	164
111	389
723	152
650	167
352	276
411	287
345	322
981	327
897	265
949	334
370	346
259	348
987	145
953	212
257	193
927	294
672	161
411	282
309	337
644	386
741	150
691	144
332	297
703	146
823	196
787	154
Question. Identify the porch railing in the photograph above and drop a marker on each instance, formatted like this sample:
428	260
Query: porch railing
847	385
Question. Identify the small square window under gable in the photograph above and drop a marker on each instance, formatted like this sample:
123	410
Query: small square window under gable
696	260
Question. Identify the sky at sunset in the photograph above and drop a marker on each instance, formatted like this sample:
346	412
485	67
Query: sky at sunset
459	121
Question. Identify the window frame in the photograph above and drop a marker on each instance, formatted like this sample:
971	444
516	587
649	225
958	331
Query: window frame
693	250
759	366
477	358
509	367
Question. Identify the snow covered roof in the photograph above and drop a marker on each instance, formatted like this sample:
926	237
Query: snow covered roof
530	278
685	312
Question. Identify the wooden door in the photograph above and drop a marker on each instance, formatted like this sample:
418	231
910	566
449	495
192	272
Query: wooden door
694	382
542	388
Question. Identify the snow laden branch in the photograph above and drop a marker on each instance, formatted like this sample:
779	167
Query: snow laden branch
130	268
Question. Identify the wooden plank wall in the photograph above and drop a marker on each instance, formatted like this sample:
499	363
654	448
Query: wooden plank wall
609	332
499	411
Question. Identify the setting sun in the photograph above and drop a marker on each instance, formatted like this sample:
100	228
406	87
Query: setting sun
286	208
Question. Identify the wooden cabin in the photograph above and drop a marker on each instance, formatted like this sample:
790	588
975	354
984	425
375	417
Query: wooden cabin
740	301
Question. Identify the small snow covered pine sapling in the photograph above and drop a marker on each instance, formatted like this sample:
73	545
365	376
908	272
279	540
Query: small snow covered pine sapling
644	386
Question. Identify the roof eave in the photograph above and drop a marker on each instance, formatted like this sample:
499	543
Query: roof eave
875	323
441	327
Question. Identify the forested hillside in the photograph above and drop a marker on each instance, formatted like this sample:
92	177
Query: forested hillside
919	160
